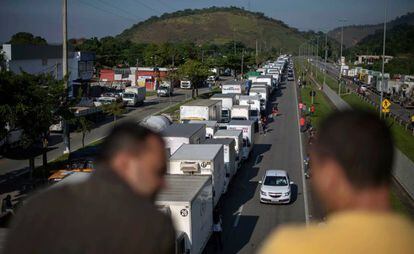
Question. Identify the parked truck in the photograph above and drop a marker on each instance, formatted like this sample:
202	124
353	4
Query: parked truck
227	102
235	87
189	202
134	95
201	159
201	110
176	135
237	135
262	90
247	127
254	102
229	157
165	89
240	112
268	79
211	127
185	84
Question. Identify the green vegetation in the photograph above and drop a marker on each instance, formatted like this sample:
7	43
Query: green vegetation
27	38
196	72
150	93
217	25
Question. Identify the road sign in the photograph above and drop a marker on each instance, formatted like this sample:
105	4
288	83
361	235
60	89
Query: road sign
385	110
386	103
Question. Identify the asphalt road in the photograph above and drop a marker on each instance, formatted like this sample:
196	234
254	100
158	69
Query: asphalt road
151	106
247	222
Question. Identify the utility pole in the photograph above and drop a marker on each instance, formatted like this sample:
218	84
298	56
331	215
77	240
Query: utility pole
65	127
340	59
242	63
317	57
383	57
326	56
257	53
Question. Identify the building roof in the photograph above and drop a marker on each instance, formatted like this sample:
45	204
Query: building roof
222	141
182	188
203	102
226	133
196	152
182	130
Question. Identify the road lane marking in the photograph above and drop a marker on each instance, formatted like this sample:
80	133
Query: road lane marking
304	190
238	214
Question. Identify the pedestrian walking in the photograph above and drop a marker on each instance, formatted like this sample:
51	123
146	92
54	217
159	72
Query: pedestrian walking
264	125
302	123
275	111
312	110
300	106
304	108
217	229
117	197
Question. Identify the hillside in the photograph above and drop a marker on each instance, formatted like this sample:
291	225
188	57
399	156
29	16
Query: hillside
354	34
216	25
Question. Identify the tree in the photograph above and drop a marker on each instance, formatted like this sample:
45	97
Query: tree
27	38
30	103
85	126
115	109
196	72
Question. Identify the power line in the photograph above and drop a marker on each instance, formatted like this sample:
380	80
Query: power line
148	7
104	10
116	7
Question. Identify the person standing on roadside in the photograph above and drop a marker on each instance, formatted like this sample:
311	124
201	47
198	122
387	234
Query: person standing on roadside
312	109
112	211
412	121
300	106
302	124
304	108
354	187
217	229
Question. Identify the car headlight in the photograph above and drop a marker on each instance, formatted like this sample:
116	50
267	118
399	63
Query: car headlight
263	193
287	194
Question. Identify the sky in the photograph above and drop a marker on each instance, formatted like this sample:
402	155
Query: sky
89	18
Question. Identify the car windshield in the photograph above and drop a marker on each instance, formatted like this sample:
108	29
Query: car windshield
276	181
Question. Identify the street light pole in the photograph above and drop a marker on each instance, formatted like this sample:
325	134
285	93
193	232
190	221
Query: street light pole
340	59
383	57
65	127
326	56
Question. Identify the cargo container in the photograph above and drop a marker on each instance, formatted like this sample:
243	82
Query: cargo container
254	102
247	127
229	157
237	135
189	202
227	102
211	127
239	112
201	110
176	135
200	159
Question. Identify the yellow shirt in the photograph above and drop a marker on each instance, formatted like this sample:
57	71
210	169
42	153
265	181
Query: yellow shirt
346	232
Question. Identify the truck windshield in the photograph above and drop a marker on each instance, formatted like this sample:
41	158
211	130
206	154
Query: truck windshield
129	95
254	113
238	118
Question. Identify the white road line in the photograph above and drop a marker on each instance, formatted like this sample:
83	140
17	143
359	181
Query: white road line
238	214
304	190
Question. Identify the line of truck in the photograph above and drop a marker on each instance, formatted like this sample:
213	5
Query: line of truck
206	149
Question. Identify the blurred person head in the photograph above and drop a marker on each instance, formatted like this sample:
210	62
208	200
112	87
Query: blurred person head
351	161
137	155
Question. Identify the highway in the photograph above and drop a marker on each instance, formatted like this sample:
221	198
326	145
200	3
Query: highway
247	222
373	96
151	106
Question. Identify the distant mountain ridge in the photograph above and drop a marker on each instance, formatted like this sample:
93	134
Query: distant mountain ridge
354	34
216	25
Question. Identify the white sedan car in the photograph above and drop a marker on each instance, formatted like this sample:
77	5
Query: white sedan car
275	187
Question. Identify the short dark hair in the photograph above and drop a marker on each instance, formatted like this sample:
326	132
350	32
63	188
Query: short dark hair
126	136
361	143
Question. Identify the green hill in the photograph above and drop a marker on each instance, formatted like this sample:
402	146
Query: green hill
217	26
354	34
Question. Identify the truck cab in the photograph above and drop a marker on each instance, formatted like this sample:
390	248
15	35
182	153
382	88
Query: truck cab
185	84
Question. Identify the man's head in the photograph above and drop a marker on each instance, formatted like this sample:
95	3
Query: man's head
137	155
352	161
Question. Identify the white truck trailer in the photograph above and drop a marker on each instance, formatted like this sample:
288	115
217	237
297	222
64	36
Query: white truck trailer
200	159
268	79
240	112
247	127
234	87
176	135
201	110
189	202
134	95
227	103
262	90
254	102
211	127
229	156
237	135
